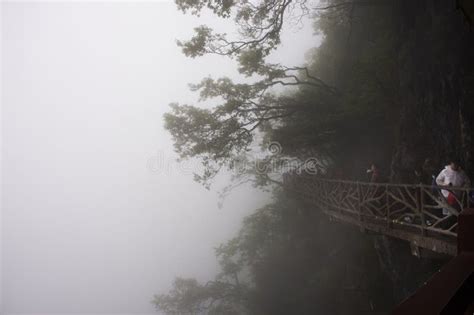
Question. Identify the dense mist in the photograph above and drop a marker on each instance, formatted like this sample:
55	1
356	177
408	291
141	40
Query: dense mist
97	215
247	157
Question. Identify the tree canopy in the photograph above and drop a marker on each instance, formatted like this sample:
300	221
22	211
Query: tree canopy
337	99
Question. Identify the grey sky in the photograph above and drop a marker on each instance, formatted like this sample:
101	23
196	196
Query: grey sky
87	227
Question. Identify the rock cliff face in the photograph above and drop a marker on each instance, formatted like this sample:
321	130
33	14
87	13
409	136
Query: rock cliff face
435	115
436	83
432	117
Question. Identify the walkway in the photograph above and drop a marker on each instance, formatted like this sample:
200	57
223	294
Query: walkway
410	212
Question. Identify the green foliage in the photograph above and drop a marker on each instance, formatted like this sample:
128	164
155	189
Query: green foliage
190	297
200	43
198	131
259	25
220	8
284	260
233	289
219	135
348	107
185	297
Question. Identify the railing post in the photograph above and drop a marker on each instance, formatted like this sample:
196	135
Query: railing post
468	201
359	201
465	231
387	207
421	206
338	201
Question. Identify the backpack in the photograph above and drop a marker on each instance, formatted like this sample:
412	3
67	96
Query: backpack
452	201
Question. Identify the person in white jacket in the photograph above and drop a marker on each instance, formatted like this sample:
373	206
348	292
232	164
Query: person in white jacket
452	175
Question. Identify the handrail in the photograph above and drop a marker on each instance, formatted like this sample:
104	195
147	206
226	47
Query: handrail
416	212
451	290
383	184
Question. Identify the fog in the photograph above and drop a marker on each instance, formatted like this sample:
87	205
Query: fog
97	216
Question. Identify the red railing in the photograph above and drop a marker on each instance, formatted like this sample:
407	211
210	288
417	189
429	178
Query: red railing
451	290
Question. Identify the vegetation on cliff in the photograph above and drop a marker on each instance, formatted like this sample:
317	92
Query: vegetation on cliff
390	83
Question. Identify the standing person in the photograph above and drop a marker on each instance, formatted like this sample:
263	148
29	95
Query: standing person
374	173
454	176
427	172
